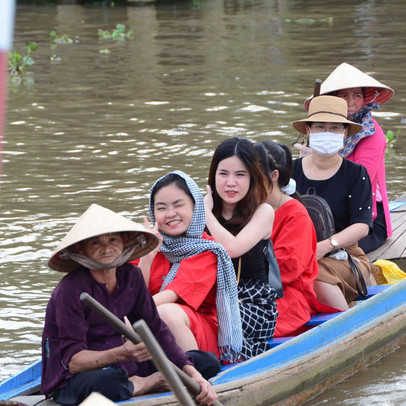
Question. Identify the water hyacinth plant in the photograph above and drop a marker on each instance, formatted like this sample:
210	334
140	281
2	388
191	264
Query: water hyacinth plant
18	63
60	39
118	33
391	138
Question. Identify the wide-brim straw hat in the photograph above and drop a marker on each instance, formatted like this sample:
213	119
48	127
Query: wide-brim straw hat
98	220
327	109
346	76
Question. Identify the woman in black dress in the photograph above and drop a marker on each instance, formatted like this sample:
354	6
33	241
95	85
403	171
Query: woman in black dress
346	187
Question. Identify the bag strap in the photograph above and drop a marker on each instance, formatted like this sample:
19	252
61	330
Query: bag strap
239	271
359	278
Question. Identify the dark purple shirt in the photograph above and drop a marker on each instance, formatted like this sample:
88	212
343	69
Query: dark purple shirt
70	326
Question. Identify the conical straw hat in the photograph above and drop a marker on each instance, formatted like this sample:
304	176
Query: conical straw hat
327	109
97	220
346	76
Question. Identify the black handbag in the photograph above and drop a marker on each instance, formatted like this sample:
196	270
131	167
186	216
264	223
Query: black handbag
359	279
274	275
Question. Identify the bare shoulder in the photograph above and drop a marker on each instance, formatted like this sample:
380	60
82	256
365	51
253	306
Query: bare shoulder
265	211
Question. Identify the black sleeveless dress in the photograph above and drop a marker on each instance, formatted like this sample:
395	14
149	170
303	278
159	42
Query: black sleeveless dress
257	300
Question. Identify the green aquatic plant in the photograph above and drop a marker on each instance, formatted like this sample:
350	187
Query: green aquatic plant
55	58
18	63
104	51
60	39
118	33
391	137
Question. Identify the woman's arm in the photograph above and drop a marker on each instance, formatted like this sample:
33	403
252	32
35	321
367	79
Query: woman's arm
145	262
344	238
370	152
294	242
166	296
258	228
88	360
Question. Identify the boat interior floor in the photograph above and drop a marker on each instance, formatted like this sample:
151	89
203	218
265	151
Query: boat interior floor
34	400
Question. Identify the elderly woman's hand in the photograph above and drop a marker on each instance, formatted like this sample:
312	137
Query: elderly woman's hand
139	351
207	394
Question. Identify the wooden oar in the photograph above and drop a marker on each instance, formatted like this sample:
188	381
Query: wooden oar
162	363
316	92
317	85
122	328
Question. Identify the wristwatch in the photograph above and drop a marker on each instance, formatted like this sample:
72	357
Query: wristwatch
333	242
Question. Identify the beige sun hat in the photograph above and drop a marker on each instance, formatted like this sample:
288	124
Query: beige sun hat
327	109
98	220
346	76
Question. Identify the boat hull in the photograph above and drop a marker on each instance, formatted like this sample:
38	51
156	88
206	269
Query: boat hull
304	366
301	368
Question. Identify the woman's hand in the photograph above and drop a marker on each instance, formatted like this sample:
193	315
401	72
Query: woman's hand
157	233
145	262
208	199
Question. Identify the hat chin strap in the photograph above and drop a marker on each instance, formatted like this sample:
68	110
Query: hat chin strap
96	265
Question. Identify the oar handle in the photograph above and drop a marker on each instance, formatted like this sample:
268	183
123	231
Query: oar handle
162	363
122	328
317	85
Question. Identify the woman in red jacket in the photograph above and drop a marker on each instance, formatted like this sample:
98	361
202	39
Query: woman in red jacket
294	241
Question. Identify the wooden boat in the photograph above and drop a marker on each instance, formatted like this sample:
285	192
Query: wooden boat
295	368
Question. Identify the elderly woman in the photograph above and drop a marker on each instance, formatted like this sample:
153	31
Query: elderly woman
81	352
346	187
367	147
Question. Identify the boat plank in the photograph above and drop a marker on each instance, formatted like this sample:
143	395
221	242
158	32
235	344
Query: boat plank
395	246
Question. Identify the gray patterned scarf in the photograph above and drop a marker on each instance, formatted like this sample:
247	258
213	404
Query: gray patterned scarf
177	248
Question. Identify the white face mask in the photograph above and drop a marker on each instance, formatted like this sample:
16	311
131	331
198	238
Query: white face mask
326	143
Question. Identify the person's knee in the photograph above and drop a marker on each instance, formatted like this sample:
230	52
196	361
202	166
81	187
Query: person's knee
170	314
113	384
330	294
205	362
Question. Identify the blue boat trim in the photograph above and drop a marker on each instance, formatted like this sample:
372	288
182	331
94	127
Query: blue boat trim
380	306
23	382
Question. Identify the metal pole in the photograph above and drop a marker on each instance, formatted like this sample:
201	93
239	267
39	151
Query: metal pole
162	363
121	327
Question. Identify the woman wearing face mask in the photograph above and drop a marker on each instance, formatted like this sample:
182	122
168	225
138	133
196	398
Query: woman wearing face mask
367	147
346	187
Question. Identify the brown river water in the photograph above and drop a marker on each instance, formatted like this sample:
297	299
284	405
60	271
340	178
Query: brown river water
86	126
